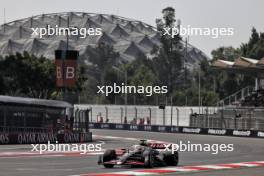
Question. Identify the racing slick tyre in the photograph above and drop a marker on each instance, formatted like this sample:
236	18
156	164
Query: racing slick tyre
148	159
171	159
108	156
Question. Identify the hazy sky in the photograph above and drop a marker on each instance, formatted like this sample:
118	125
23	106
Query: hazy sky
241	15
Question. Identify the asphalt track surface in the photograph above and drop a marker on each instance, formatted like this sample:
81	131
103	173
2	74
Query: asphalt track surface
245	150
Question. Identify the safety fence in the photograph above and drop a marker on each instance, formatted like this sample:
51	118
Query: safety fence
236	98
246	118
155	115
23	129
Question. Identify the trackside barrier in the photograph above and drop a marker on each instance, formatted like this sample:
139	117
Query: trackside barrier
37	138
178	129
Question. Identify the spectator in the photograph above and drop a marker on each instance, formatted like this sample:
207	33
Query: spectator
125	120
98	118
148	121
101	119
141	121
134	121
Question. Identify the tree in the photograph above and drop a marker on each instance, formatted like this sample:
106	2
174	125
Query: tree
103	58
31	76
140	73
27	75
226	53
168	62
248	48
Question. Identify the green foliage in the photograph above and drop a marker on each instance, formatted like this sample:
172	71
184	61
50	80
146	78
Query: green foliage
27	75
141	73
104	59
226	53
226	83
255	46
168	63
30	76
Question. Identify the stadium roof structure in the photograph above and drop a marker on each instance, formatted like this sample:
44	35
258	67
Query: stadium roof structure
129	37
241	64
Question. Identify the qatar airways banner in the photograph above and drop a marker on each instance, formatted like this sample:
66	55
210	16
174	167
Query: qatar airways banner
37	138
66	65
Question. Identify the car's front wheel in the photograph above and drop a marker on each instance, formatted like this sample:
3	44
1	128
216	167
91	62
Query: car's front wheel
108	156
148	159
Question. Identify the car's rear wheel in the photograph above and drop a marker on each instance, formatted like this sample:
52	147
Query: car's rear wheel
171	159
108	156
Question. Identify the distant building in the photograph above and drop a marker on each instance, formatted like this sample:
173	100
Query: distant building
129	37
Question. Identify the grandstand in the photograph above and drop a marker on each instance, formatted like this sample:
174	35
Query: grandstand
243	109
246	66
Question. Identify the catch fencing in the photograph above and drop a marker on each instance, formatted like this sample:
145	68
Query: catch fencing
154	115
241	118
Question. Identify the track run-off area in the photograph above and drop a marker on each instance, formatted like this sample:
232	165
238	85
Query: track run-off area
246	159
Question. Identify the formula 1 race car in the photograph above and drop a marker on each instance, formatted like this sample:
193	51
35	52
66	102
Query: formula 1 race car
146	154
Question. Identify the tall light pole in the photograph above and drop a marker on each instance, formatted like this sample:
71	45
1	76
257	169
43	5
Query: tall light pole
199	87
126	94
125	73
185	71
4	16
64	89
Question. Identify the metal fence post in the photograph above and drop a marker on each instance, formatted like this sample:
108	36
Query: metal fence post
177	109
91	109
150	115
171	111
235	120
76	118
136	114
121	115
164	116
106	115
87	120
79	120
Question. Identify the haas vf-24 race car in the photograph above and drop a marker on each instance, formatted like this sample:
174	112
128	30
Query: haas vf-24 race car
146	154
